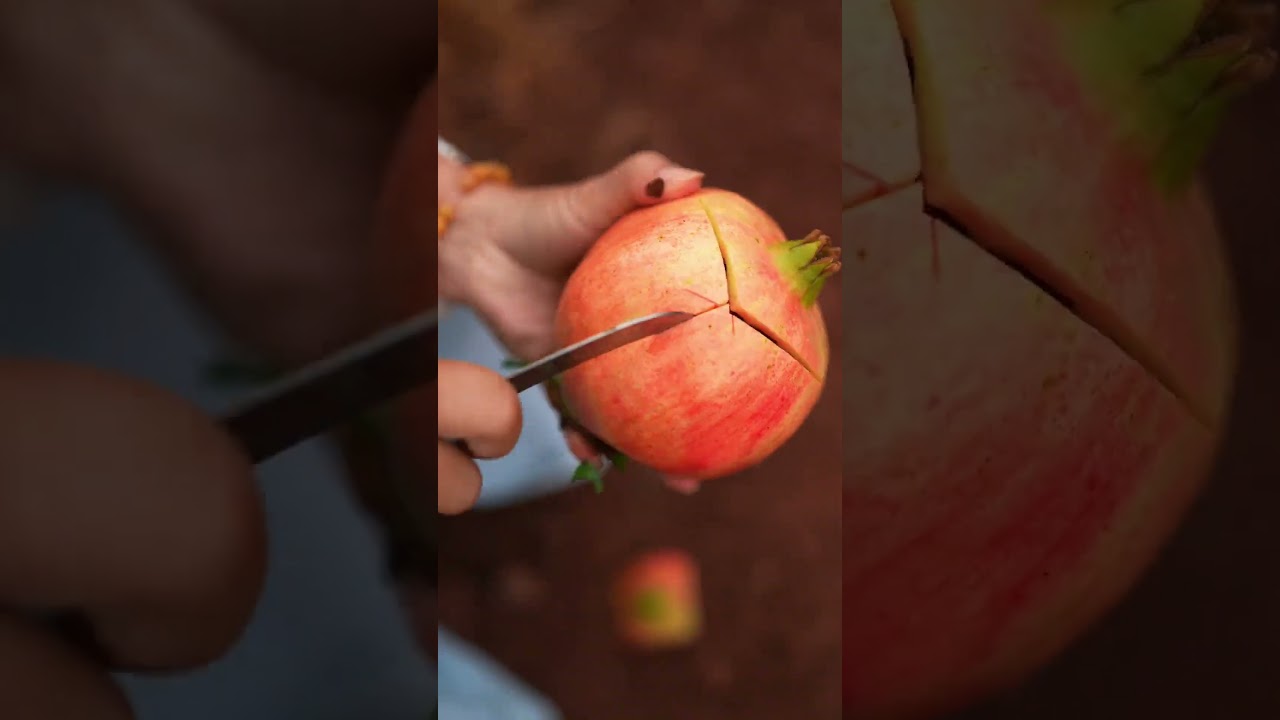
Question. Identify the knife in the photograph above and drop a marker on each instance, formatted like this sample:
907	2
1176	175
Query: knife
395	361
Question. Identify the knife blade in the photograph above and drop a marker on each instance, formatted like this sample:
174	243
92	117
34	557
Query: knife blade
567	358
391	363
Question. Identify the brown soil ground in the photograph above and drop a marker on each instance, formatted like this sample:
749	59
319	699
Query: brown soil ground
748	92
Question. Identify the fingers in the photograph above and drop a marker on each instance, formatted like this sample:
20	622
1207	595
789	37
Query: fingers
44	678
547	229
480	408
586	451
124	503
458	480
645	178
582	447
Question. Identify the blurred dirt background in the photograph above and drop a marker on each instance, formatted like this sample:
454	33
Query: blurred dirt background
748	92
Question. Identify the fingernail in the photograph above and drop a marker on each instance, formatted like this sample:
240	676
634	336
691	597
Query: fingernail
678	181
673	182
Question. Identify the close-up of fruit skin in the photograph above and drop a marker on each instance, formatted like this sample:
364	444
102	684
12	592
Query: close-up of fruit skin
723	391
1042	320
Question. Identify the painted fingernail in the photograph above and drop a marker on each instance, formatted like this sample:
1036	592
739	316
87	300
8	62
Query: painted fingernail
673	182
678	181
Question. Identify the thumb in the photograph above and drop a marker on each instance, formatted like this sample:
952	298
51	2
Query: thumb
128	508
559	223
645	178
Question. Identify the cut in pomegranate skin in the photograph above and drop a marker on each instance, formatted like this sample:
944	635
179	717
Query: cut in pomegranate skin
726	389
1007	467
1043	335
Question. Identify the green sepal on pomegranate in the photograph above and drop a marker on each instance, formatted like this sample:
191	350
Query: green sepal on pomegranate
726	389
1167	69
808	261
588	470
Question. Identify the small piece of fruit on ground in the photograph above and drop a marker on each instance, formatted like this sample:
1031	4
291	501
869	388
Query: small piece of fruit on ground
657	600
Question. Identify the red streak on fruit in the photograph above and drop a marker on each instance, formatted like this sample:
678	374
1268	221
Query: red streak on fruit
723	391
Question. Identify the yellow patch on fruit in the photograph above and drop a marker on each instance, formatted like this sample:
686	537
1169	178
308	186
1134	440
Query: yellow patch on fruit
657	601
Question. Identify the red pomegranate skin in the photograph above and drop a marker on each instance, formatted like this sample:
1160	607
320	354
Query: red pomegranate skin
723	391
1042	330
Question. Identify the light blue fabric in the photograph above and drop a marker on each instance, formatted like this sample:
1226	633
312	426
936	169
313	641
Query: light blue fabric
471	686
327	641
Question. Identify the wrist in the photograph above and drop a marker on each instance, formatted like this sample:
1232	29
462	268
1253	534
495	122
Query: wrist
465	192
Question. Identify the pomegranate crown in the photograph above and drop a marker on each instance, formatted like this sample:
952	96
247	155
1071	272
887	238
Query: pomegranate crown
1168	69
809	261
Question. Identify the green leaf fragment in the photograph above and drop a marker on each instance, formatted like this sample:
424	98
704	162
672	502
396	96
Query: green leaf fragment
619	460
588	471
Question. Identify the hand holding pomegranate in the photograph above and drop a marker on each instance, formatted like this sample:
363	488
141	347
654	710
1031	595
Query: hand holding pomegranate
507	251
546	267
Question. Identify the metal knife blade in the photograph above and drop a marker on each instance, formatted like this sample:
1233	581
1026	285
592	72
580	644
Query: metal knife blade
557	362
338	388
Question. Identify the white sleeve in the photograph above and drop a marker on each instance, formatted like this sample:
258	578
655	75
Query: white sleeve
444	147
449	150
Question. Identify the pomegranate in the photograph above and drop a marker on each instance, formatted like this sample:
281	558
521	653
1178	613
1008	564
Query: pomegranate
721	392
1044	340
657	601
